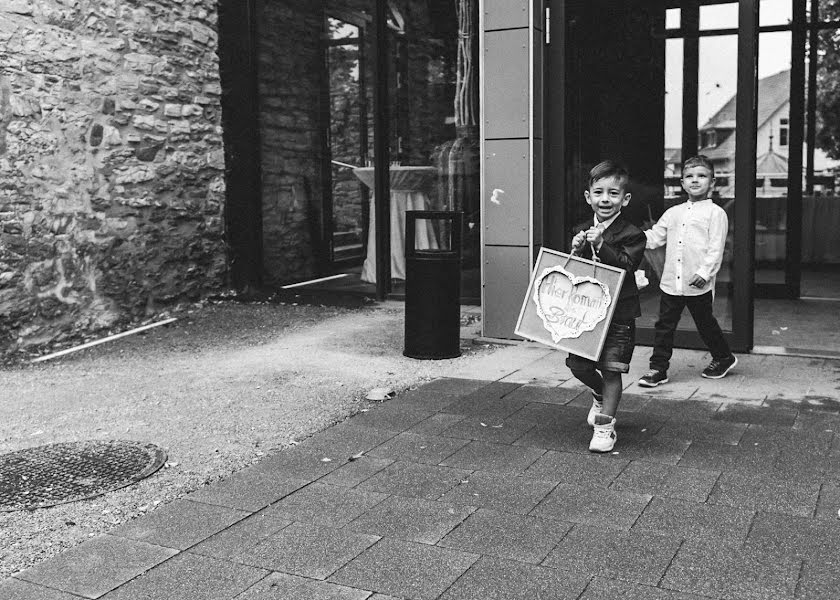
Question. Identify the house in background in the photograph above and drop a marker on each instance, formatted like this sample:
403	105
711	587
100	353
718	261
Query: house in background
717	141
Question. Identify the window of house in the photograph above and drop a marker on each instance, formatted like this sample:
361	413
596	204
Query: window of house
708	139
783	132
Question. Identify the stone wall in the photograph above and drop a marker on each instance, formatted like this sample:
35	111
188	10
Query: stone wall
111	163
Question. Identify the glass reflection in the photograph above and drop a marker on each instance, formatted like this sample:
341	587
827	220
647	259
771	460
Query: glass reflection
716	119
432	84
348	137
821	201
775	12
772	153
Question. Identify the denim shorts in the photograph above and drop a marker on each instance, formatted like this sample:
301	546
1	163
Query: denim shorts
616	353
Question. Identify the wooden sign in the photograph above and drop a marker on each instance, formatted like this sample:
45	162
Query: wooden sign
569	303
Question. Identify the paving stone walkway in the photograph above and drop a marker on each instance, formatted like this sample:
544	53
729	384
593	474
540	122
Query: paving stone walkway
481	487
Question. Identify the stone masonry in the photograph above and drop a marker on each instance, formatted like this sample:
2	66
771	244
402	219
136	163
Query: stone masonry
111	163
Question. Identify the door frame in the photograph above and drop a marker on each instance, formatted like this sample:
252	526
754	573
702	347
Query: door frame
740	337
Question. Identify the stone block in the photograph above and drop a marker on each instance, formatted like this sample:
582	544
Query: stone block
767	492
731	572
518	495
16	589
405	569
20	7
172	110
97	566
641	557
415	480
570	467
95	135
323	504
229	543
281	586
499	432
179	524
307	550
191	576
588	504
666	481
500	458
417	448
522	538
694	520
496	578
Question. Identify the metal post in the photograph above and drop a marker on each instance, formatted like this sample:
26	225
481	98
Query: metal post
813	65
381	150
556	112
743	274
793	237
690	23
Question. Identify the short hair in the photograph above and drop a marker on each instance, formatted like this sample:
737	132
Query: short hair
609	168
701	160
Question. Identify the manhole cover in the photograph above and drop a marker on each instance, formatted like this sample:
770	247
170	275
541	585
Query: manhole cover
66	472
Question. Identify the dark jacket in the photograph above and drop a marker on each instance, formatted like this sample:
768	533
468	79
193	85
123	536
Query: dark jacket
623	247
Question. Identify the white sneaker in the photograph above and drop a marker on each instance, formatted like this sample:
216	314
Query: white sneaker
604	437
595	409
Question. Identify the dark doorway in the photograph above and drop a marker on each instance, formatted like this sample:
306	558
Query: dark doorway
636	81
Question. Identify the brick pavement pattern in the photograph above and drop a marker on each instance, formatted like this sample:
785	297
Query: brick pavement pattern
483	488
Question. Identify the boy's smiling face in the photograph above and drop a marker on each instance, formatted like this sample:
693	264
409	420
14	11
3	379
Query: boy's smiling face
607	197
697	181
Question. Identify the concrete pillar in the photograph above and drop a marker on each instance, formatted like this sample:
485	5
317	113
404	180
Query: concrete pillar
512	43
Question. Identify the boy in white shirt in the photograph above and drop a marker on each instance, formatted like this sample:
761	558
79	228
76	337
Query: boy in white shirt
694	234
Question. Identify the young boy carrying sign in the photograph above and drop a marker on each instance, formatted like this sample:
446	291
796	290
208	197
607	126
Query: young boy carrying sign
621	244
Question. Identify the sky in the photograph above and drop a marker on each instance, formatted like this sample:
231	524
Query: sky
718	60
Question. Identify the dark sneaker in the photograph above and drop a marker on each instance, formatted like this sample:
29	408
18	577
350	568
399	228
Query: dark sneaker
719	368
653	378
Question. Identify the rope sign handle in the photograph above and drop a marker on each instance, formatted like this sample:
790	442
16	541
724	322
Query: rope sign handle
595	258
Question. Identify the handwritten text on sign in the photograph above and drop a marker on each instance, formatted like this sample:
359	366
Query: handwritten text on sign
569	305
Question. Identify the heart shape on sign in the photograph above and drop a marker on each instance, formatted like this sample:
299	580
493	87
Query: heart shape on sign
570	305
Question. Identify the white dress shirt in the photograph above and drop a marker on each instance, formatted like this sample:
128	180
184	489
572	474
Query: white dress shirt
694	234
602	225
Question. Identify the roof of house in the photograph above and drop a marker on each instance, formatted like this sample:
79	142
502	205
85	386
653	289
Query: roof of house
773	92
771	163
723	151
673	155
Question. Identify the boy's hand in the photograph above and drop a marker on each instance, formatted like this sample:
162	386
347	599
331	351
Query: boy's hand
578	240
594	236
697	281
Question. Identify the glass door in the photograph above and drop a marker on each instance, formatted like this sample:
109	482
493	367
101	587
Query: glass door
346	197
797	249
400	123
820	246
651	84
700	85
779	129
434	128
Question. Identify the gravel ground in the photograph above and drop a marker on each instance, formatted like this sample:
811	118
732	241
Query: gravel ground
223	386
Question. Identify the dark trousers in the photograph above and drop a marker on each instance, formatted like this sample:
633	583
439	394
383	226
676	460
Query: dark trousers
670	311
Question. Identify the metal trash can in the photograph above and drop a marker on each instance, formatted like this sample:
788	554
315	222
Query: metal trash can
433	284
